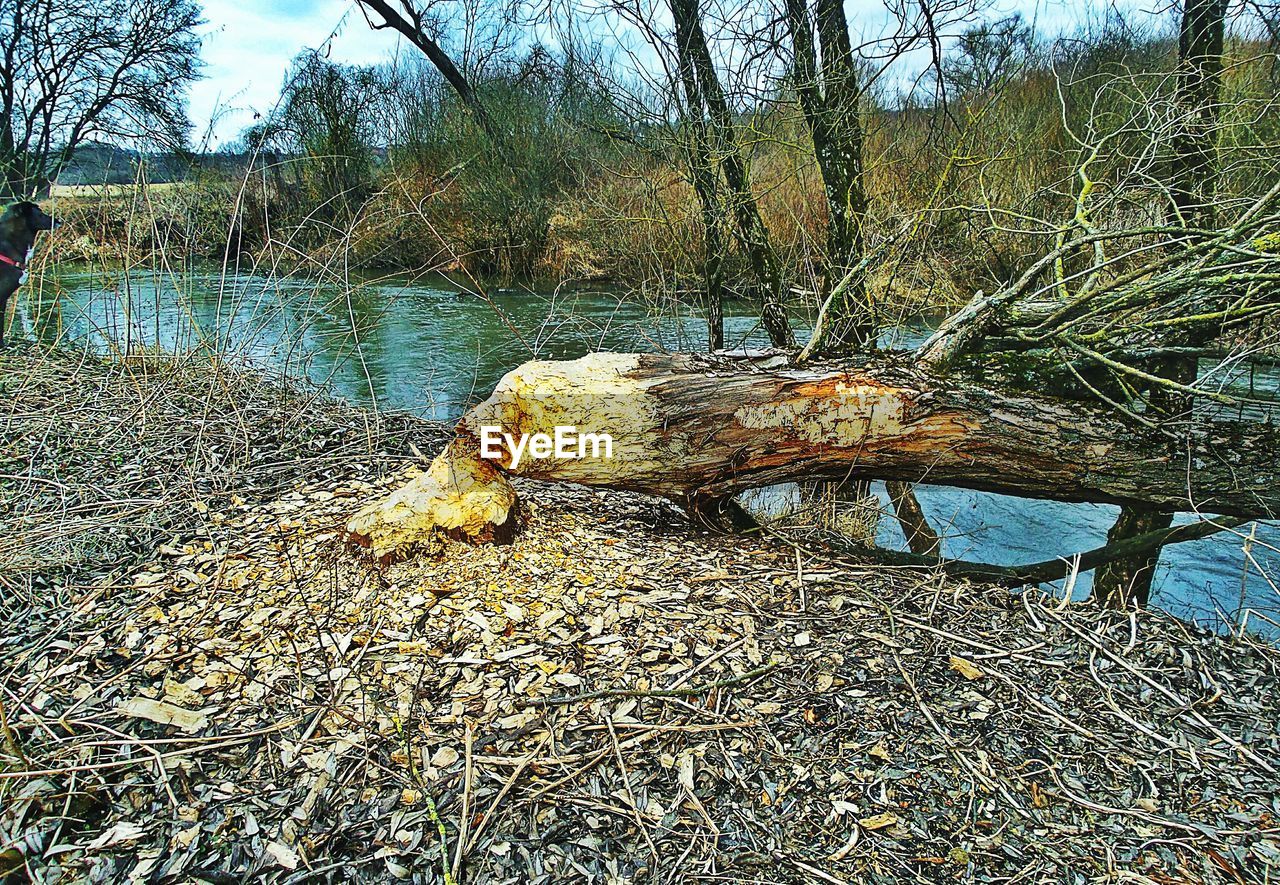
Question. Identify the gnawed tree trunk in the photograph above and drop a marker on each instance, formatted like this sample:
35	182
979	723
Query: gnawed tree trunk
697	428
460	496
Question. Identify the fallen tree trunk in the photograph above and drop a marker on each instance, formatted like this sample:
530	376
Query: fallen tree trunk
697	428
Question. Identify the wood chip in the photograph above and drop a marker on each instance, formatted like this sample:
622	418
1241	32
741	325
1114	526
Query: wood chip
189	721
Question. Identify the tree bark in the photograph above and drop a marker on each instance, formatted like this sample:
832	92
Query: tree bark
1127	580
827	85
697	428
705	180
702	88
1194	174
702	167
921	538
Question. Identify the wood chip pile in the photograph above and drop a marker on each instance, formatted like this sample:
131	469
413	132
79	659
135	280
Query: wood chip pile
616	698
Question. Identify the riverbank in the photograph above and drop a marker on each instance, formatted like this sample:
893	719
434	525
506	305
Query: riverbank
102	458
649	250
614	696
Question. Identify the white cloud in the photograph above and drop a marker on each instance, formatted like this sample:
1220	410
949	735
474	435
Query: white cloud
248	47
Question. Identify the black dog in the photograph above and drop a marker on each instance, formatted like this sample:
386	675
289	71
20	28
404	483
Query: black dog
18	228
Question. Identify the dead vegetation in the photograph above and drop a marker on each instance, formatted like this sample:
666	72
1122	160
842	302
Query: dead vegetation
613	697
100	459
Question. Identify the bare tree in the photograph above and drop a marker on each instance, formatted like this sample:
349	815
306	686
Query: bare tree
1193	181
705	96
330	117
1194	173
114	70
420	29
705	178
826	81
832	79
684	97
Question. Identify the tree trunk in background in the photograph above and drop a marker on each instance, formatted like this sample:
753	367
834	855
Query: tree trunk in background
702	171
697	428
1193	177
840	155
704	185
8	144
1194	172
713	276
1128	581
827	85
921	538
691	48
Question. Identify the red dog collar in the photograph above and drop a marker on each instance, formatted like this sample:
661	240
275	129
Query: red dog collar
5	259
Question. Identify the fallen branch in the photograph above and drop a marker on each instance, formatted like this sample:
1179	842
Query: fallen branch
1058	568
698	429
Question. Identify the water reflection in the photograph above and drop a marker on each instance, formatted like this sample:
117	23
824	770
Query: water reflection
424	346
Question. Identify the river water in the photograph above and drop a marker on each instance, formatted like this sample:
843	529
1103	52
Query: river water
425	346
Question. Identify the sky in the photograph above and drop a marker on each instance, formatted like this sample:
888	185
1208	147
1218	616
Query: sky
248	47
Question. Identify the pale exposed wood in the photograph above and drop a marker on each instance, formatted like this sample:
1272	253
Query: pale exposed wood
460	496
696	428
958	334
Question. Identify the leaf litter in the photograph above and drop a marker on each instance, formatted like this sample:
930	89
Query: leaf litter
616	697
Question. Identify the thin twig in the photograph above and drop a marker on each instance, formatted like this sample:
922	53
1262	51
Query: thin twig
655	693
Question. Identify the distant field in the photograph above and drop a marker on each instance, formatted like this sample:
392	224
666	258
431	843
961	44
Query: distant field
103	190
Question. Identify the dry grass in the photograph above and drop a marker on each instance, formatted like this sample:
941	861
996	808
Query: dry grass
103	191
102	458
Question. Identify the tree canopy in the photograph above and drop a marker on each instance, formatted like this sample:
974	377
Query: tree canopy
115	70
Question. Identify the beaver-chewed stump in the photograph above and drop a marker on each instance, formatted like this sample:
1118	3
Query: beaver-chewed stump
460	496
698	428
